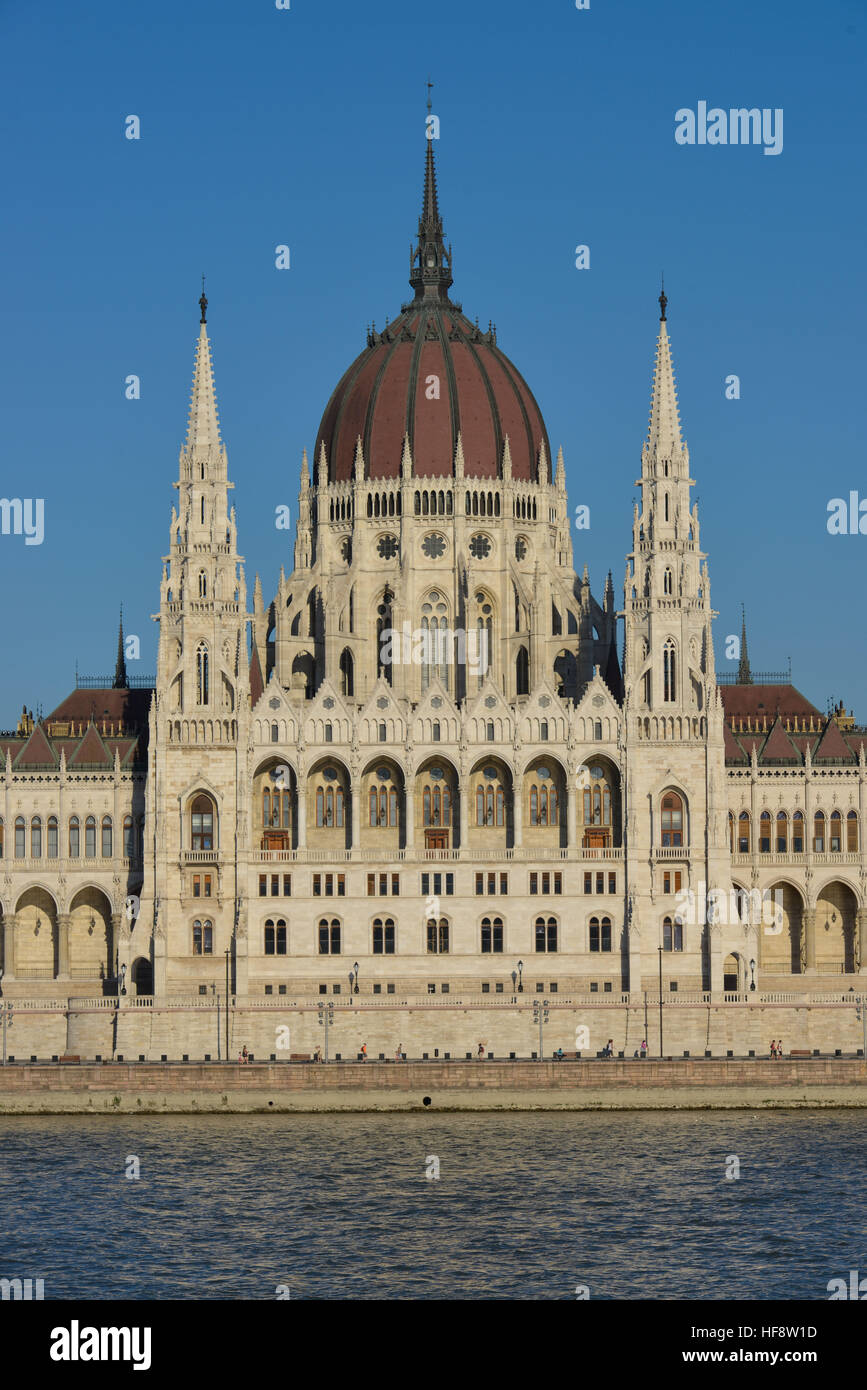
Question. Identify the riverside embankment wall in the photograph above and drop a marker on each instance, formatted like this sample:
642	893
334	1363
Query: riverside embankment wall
171	1029
148	1088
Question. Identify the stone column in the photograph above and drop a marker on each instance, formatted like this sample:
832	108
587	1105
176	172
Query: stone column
861	929
115	938
356	815
808	919
572	817
301	803
8	924
408	815
63	921
715	957
464	814
517	812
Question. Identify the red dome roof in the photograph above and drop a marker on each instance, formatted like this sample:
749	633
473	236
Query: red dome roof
388	393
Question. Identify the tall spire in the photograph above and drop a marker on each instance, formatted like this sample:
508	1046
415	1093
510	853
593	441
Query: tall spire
431	264
744	675
664	440
203	427
120	681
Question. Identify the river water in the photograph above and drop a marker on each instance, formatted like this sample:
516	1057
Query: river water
526	1206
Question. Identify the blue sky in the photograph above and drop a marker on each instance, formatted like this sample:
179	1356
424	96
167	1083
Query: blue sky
306	127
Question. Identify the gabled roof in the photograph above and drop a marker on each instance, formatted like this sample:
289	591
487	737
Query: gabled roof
778	746
757	701
832	746
37	751
91	750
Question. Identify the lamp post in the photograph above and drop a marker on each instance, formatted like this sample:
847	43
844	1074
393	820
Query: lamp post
6	1010
753	976
216	995
514	985
660	951
326	1017
520	977
122	990
540	1016
355	968
860	1013
227	1003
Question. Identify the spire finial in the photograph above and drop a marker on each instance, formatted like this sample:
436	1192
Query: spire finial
744	673
431	265
429	90
203	302
662	301
120	682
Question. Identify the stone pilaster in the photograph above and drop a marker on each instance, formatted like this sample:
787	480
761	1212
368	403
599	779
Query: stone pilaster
861	938
63	921
8	924
809	938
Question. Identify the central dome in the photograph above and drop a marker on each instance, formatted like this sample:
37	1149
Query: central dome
431	375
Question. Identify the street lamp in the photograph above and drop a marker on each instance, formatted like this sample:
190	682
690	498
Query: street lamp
753	975
520	977
355	968
660	1002
123	979
326	1017
540	1016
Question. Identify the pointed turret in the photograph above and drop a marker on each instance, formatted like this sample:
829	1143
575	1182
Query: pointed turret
664	440
431	264
120	681
203	443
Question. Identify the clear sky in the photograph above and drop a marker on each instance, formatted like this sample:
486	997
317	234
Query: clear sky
305	127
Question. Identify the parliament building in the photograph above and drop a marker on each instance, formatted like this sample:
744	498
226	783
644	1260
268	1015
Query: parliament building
432	764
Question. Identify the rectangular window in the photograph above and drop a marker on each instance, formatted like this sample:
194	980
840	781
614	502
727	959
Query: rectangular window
480	884
588	883
371	884
206	885
389	989
197	886
275	885
558	883
498	938
425	884
395	885
612	883
450	884
269	989
329	885
504	883
600	883
383	885
431	989
552	988
269	941
341	885
486	989
329	939
377	989
594	987
607	987
263	885
534	884
317	885
498	988
287	885
492	885
540	986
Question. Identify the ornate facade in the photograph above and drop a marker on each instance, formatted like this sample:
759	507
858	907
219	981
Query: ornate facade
421	768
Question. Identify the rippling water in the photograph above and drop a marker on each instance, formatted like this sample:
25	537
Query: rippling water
525	1207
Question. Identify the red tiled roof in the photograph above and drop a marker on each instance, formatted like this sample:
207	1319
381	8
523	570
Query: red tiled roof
778	746
37	751
832	745
91	750
742	701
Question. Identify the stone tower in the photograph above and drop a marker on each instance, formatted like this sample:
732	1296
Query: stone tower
674	758
199	719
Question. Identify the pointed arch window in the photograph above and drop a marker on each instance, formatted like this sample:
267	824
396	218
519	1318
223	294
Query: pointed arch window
74	837
765	833
851	833
90	838
669	672
798	832
671	820
52	838
202	824
107	837
835	835
819	833
20	841
203	578
782	833
36	837
667	581
203	938
744	832
128	838
202	674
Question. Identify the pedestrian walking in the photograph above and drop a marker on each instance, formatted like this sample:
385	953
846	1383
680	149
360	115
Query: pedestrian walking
245	1056
779	1047
481	1051
317	1056
773	1047
643	1048
398	1056
364	1052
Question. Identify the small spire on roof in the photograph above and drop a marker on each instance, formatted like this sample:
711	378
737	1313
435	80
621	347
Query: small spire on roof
662	302
203	302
